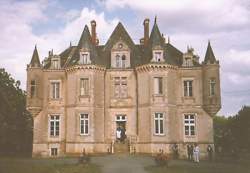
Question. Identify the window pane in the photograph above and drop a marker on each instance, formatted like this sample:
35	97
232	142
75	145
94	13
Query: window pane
161	126
160	85
186	130
156	127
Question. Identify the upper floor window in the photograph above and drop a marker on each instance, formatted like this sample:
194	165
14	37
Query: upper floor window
84	58
157	56
188	88
55	89
187	62
158	85
32	88
84	124
84	86
158	123
189	124
54	125
120	61
120	87
212	84
55	63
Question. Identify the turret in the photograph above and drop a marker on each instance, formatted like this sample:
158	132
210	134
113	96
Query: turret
211	82
34	84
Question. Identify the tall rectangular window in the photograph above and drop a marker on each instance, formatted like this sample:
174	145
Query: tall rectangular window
32	88
54	151
120	61
55	86
55	64
84	124
54	125
158	85
212	87
120	90
189	124
84	58
188	88
158	56
158	122
84	86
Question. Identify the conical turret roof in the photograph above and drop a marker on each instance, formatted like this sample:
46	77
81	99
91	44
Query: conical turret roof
209	57
35	61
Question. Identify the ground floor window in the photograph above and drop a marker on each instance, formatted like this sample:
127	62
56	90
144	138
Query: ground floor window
158	123
54	125
54	151
189	124
84	124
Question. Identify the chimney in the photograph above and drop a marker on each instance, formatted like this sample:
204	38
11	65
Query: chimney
146	31
93	32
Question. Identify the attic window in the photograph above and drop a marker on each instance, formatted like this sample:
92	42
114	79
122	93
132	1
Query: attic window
187	61
55	63
84	58
157	56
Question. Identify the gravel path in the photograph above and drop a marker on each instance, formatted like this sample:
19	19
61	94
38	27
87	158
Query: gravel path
122	163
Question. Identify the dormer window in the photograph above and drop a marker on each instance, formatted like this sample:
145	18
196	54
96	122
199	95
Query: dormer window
188	61
84	58
55	62
120	61
157	56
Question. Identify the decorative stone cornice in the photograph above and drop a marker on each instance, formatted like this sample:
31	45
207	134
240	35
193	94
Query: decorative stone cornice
84	67
155	67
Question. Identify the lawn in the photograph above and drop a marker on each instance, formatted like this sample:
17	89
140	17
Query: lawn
182	166
59	165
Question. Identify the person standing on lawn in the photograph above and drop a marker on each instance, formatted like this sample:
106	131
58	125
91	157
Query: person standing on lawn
190	149
196	153
210	152
175	150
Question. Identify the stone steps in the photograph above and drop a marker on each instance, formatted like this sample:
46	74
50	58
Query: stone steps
121	147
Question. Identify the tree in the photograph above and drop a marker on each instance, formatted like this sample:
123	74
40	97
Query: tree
15	120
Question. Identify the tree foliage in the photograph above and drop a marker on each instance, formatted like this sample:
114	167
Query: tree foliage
15	120
233	133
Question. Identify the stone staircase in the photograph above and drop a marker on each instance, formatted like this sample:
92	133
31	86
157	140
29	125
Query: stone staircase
121	147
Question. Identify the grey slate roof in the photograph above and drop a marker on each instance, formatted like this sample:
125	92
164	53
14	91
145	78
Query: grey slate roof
140	54
209	57
35	61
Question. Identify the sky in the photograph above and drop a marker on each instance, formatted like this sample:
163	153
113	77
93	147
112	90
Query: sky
53	24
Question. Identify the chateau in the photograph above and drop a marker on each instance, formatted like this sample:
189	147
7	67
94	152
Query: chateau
157	94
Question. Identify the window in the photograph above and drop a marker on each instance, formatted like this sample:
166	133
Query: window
212	87
158	119
54	151
187	61
188	88
120	117
55	90
158	85
158	56
54	125
84	124
84	58
32	88
120	87
84	86
120	61
189	124
55	63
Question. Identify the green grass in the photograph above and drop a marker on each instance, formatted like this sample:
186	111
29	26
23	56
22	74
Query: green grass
202	167
60	165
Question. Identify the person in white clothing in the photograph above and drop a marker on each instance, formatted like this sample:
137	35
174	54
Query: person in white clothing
196	153
118	134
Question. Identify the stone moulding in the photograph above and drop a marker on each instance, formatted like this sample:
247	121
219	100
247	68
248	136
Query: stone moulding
149	67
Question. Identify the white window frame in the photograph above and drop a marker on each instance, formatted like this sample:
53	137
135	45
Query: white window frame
54	120
188	94
158	89
83	122
55	63
57	152
84	89
158	120
55	95
84	58
121	117
157	56
189	122
120	87
212	86
188	62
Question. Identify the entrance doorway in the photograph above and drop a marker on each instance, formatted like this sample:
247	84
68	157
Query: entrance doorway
121	128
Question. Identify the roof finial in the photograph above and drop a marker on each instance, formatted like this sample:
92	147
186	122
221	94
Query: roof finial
70	44
155	19
168	39
35	46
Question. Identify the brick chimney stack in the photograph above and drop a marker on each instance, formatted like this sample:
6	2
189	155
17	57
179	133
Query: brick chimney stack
93	32
146	31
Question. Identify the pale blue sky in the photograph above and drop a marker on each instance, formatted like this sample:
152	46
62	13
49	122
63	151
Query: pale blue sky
54	23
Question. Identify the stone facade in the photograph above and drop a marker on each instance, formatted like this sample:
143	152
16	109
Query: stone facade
160	95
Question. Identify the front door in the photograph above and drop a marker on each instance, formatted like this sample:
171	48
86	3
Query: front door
121	127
